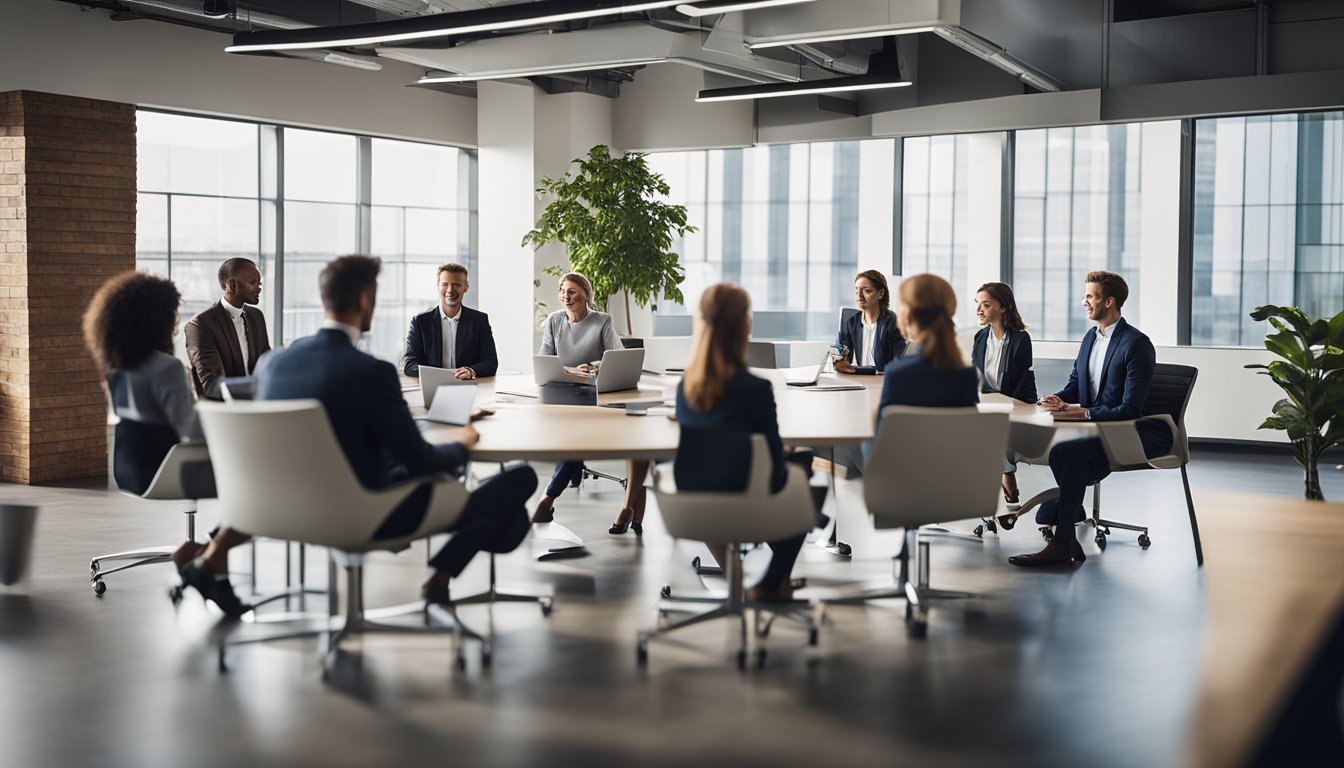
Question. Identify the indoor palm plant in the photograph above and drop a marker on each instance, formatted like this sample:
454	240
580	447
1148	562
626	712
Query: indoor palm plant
1313	412
612	217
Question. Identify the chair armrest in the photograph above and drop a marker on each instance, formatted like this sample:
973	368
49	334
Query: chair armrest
1120	440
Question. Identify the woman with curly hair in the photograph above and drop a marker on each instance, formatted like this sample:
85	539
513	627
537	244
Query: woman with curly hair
129	328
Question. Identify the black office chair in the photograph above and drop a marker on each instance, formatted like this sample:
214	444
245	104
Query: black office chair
1167	400
149	462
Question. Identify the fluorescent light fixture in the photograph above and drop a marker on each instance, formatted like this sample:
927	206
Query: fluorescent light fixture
491	19
354	62
802	88
807	40
715	7
972	43
534	72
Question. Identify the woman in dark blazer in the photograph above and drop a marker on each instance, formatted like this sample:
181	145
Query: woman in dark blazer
933	374
718	397
1004	342
870	338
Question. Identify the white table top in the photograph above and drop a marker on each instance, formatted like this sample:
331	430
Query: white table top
523	428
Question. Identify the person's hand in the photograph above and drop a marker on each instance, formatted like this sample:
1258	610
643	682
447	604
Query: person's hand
464	373
843	366
1052	403
469	437
587	369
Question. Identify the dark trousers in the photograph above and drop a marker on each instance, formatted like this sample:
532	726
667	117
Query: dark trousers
495	519
566	472
784	553
1076	464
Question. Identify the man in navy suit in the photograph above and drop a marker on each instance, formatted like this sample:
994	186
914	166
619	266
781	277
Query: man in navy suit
363	400
451	335
1109	382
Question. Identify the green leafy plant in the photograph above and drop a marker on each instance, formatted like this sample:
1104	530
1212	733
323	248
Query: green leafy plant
1313	412
611	217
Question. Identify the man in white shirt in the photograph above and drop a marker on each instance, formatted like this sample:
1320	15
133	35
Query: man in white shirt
226	339
1109	382
451	335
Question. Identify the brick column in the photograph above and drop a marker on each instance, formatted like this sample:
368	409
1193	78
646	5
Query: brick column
67	223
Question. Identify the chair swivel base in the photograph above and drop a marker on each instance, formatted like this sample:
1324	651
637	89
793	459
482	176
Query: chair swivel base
138	557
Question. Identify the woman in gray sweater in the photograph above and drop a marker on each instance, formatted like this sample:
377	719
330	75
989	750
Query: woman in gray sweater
578	334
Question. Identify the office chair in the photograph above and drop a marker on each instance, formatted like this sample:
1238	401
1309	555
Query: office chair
929	465
149	463
283	475
493	594
1168	398
732	519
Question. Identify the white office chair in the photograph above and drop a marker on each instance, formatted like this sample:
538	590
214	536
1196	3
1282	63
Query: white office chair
929	465
282	474
183	475
731	520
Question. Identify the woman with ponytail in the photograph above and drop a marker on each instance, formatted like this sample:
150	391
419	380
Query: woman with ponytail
933	372
717	396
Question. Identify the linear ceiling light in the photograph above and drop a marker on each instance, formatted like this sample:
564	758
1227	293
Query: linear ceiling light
535	71
715	7
807	40
884	71
802	88
354	62
491	19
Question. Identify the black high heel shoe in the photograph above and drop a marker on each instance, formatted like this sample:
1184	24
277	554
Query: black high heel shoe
619	528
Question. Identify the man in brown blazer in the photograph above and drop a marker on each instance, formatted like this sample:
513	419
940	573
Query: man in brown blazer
226	339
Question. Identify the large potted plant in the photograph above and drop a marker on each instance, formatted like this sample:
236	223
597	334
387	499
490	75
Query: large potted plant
1313	412
611	217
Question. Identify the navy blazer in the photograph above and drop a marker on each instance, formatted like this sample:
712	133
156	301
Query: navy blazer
888	342
706	464
475	343
1126	375
912	380
362	397
1016	377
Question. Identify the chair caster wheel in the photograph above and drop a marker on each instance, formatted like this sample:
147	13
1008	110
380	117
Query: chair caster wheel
843	549
99	587
979	531
1006	522
1106	529
917	630
989	524
1101	541
1048	534
813	636
1144	541
175	595
666	591
546	607
642	654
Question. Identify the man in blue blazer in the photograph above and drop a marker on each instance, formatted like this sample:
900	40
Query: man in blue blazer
363	400
451	335
1109	382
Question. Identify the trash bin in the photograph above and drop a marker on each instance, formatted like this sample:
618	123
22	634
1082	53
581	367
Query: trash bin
16	541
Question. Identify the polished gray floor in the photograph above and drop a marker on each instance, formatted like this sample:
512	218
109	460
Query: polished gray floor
1094	667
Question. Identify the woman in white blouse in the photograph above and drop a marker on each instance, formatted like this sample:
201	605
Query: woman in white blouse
1002	354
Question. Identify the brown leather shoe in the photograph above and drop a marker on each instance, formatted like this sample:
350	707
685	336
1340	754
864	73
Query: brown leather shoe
433	591
761	595
1055	553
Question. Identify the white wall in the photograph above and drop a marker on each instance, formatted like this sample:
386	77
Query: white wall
58	48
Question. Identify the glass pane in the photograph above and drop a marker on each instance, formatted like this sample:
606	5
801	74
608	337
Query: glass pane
406	173
205	232
320	166
195	155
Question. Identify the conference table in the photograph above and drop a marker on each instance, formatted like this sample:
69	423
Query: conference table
522	428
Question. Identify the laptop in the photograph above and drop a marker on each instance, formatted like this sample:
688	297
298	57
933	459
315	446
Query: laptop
432	378
546	369
452	404
620	369
568	393
238	388
810	381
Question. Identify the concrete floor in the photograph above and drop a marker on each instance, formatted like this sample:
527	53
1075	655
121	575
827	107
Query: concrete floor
1094	667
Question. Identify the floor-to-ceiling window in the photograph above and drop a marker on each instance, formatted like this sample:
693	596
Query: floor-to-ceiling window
1076	209
293	199
790	223
1268	222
